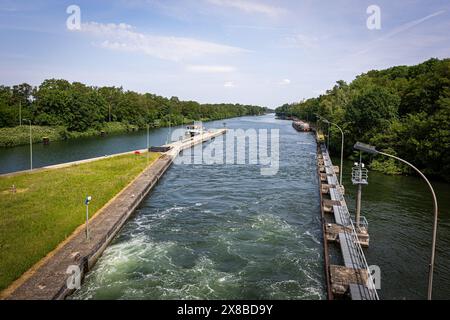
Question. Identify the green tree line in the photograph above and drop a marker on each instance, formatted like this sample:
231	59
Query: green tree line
403	110
78	107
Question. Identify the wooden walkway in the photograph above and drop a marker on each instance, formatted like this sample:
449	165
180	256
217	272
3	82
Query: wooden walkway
353	279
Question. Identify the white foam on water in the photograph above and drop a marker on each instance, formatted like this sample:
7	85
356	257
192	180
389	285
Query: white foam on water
313	237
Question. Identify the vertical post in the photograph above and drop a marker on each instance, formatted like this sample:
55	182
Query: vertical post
31	149
328	138
342	158
358	196
358	205
148	140
86	202
170	130
87	221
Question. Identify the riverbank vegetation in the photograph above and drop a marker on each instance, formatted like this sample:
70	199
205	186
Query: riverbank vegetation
47	207
15	136
404	110
65	110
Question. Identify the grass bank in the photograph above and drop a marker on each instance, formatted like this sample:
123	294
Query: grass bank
20	135
48	206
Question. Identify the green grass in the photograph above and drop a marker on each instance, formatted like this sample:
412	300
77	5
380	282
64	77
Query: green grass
48	206
11	137
20	135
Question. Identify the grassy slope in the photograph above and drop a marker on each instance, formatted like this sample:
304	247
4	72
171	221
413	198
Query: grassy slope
48	207
20	135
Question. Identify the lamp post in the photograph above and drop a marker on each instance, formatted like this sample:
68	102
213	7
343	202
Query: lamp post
342	149
31	146
371	149
86	202
148	140
328	135
317	119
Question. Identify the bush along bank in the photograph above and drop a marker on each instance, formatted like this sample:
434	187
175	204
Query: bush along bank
20	135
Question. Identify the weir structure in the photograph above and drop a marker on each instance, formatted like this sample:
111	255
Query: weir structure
55	277
349	277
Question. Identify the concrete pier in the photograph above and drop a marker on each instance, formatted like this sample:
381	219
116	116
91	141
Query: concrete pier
48	278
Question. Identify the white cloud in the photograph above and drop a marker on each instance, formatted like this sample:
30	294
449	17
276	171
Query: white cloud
229	84
123	37
210	69
301	41
285	82
250	7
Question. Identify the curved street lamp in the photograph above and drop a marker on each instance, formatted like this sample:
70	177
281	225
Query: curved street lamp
342	148
371	149
342	144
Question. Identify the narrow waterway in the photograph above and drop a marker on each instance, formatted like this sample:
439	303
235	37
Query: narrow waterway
225	231
222	232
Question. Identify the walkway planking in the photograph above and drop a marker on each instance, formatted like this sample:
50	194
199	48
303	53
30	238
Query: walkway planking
354	278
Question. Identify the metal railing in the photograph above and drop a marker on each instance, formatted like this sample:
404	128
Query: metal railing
356	250
364	223
360	175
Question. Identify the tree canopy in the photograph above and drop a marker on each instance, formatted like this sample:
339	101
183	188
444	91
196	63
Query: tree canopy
404	110
57	102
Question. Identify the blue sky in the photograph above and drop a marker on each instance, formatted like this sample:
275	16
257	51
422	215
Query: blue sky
247	51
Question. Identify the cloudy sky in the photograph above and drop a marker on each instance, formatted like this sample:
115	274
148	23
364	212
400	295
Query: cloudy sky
248	51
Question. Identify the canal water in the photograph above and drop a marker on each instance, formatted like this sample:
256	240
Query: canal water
222	232
399	210
226	232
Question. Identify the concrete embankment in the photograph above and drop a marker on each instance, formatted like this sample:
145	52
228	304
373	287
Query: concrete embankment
48	278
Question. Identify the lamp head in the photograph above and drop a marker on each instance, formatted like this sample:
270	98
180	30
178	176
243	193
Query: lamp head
87	200
365	147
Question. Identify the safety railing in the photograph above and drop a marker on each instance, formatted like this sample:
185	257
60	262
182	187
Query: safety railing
359	174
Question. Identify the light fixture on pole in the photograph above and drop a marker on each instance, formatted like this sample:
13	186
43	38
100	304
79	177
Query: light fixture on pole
371	149
86	202
341	169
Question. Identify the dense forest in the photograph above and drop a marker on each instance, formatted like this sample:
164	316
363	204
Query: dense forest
404	110
64	109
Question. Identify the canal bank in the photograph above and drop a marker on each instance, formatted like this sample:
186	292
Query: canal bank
48	279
